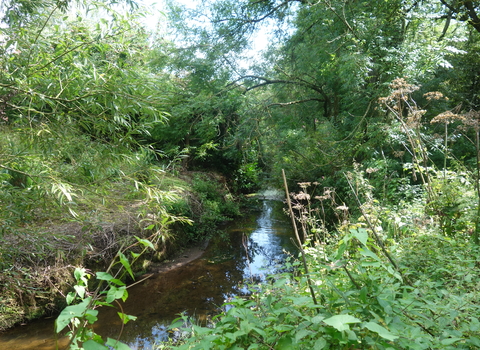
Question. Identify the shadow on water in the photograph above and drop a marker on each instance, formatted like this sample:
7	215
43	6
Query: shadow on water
249	249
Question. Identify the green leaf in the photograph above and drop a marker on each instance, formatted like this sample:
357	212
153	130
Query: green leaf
341	249
284	342
115	293
91	316
380	330
474	341
80	274
93	345
70	312
368	253
105	276
117	345
320	343
302	334
124	261
145	242
317	319
70	297
80	291
361	234
340	322
125	318
283	328
450	341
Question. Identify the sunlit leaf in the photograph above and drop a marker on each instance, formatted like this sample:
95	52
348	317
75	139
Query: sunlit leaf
80	291
382	331
340	322
125	318
93	345
145	242
361	234
70	312
124	261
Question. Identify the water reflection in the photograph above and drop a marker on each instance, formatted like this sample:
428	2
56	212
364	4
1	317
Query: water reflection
250	249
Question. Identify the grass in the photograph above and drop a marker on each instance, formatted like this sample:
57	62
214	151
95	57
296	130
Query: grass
68	200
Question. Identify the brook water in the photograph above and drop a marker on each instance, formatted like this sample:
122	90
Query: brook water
197	289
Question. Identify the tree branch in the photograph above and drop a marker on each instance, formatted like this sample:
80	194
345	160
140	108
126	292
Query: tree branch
472	14
447	24
295	102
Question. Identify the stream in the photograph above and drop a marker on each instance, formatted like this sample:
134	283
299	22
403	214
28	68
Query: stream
197	289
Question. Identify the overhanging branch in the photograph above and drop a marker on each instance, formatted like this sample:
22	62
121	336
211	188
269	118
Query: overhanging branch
285	104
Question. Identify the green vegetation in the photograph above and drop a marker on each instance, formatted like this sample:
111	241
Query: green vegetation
114	139
376	285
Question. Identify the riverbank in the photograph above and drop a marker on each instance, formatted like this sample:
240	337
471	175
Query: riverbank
184	284
37	270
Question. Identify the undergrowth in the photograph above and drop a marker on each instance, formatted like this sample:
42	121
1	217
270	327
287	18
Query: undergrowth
69	201
386	280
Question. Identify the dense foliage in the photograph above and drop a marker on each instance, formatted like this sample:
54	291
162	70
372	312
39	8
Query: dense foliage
375	105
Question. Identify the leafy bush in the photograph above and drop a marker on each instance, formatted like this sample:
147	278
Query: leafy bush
414	291
365	304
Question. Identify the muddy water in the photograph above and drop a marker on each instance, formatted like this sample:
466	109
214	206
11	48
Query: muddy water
249	249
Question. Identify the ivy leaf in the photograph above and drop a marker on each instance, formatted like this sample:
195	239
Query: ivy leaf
340	322
381	331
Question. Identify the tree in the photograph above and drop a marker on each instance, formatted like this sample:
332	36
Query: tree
95	74
464	11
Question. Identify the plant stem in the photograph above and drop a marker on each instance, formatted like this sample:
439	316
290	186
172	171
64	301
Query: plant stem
297	236
476	232
375	234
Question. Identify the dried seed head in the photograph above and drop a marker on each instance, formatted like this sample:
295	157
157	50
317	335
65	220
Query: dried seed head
434	95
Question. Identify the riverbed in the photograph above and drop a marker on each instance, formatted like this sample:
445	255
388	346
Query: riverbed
247	250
